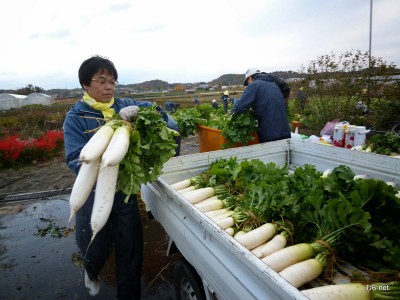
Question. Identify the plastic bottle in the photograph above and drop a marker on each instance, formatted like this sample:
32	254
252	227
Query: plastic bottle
349	139
360	135
338	135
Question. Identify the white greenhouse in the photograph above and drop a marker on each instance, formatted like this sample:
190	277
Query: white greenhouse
9	101
38	98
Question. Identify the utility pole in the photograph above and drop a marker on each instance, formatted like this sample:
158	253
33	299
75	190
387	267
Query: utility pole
369	53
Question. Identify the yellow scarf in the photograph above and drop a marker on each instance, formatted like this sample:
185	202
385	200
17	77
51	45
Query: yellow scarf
105	108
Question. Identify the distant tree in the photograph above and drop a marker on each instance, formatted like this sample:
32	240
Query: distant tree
179	88
335	84
29	89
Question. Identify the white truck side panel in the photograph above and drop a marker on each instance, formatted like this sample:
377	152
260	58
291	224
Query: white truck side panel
182	167
324	157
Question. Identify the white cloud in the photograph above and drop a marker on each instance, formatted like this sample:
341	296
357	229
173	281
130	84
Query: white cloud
44	41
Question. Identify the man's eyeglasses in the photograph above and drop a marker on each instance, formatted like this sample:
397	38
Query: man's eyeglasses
103	81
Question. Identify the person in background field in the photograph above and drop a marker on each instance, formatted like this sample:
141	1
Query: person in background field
215	104
266	101
301	96
196	102
123	230
225	99
171	106
283	86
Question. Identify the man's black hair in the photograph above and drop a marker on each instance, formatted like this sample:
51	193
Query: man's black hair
94	64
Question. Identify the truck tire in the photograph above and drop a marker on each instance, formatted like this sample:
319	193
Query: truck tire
188	284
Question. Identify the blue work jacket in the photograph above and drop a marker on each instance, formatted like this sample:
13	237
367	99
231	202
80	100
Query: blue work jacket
265	99
82	118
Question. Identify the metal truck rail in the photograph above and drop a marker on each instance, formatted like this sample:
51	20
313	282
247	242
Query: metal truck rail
225	269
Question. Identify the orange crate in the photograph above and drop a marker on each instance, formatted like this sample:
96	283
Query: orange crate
211	139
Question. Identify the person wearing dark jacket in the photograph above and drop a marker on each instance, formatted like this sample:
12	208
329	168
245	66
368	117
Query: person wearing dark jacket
282	85
196	102
123	230
171	106
225	99
266	101
215	104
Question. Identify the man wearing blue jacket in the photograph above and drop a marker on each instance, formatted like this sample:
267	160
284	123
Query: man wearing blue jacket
265	99
123	230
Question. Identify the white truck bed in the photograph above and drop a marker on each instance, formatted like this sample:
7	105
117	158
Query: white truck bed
228	270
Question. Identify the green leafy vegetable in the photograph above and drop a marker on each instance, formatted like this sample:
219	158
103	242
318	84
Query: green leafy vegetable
151	145
385	144
239	128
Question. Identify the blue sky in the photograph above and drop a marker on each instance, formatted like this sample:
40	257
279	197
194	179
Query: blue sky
45	41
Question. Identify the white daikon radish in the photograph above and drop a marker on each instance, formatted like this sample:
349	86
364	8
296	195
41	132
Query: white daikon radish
239	233
225	223
278	242
187	189
257	236
117	148
198	195
223	216
230	231
305	271
83	185
347	291
288	256
97	144
104	197
180	185
215	213
210	205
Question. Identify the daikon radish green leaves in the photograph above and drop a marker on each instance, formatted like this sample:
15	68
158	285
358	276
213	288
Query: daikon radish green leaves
151	145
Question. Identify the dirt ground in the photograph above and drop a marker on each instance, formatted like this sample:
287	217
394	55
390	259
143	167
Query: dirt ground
54	175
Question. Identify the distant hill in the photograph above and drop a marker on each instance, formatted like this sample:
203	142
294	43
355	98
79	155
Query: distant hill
228	79
237	79
160	85
152	85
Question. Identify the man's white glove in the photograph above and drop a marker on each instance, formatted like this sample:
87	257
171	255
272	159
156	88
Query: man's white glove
129	113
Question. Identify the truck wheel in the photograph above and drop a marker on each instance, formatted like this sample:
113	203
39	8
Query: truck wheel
188	284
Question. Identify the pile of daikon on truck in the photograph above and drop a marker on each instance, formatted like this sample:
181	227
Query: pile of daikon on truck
307	225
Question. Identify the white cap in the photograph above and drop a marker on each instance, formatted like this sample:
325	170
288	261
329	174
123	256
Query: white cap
250	72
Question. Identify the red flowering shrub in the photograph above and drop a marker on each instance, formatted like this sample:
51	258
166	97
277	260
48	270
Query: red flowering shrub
14	151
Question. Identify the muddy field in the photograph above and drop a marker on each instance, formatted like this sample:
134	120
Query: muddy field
39	258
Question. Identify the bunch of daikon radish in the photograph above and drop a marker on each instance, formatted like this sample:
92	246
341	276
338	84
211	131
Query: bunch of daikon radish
208	201
100	159
297	263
